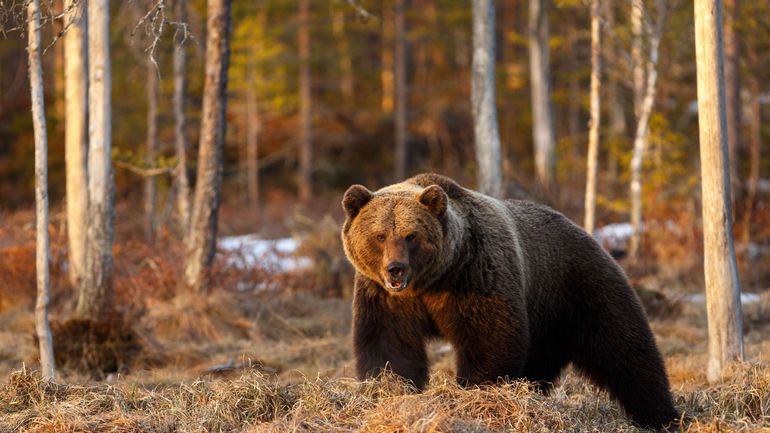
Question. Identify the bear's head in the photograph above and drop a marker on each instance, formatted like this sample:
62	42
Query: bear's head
395	236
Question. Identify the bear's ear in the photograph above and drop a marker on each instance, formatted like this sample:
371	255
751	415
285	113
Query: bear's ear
435	199
354	199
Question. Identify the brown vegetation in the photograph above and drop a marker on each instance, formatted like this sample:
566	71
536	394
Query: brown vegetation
280	359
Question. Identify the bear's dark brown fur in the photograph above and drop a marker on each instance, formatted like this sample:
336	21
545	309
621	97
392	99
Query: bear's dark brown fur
517	288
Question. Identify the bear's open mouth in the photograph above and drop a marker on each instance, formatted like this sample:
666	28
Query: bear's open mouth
396	286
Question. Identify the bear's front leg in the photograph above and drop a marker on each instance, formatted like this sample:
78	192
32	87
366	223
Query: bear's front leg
389	332
491	340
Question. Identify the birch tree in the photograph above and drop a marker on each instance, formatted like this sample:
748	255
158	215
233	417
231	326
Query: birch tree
150	189
345	60
399	73
543	130
180	119
723	303
202	236
47	365
386	58
485	129
76	134
644	111
305	106
593	132
252	139
732	92
96	293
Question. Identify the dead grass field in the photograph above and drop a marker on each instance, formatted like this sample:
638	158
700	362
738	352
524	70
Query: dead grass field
281	361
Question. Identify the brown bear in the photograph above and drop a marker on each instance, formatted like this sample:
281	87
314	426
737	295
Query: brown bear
517	288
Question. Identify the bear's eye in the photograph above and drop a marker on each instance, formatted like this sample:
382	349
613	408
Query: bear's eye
381	238
410	237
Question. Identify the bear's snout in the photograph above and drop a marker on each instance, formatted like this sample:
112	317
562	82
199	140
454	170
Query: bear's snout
398	276
396	270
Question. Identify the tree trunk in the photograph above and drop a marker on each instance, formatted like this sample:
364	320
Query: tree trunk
346	62
305	106
732	94
202	237
180	120
643	129
723	289
400	90
593	133
575	94
252	141
755	153
483	100
76	134
47	365
543	129
637	50
152	149
386	73
96	293
617	118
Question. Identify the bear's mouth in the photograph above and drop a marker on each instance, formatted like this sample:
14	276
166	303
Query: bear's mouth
396	285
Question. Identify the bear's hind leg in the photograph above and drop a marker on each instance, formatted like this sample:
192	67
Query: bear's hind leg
544	366
619	354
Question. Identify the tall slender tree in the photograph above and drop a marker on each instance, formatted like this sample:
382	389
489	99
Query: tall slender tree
654	33
543	129
180	118
637	52
252	139
76	134
150	183
96	293
399	73
47	365
387	101
345	59
593	132
733	92
723	291
485	127
202	236
305	106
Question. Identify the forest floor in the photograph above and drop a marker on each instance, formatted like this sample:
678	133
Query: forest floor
280	359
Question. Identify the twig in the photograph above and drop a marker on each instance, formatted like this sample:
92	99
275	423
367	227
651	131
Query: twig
145	172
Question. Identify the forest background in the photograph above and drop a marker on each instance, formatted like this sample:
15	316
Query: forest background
266	318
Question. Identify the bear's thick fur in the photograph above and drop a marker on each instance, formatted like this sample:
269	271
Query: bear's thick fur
515	287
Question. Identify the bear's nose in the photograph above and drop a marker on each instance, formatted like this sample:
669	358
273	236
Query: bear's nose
396	269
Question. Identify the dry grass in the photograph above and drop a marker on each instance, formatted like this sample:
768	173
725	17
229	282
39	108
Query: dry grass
261	403
285	360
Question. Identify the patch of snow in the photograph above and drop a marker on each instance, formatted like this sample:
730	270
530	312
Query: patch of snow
274	254
700	298
614	237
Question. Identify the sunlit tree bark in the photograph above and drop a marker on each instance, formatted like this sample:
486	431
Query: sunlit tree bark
305	106
345	59
180	118
399	65
150	189
725	323
732	93
47	365
543	129
643	126
96	291
593	133
386	73
487	137
202	237
76	134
